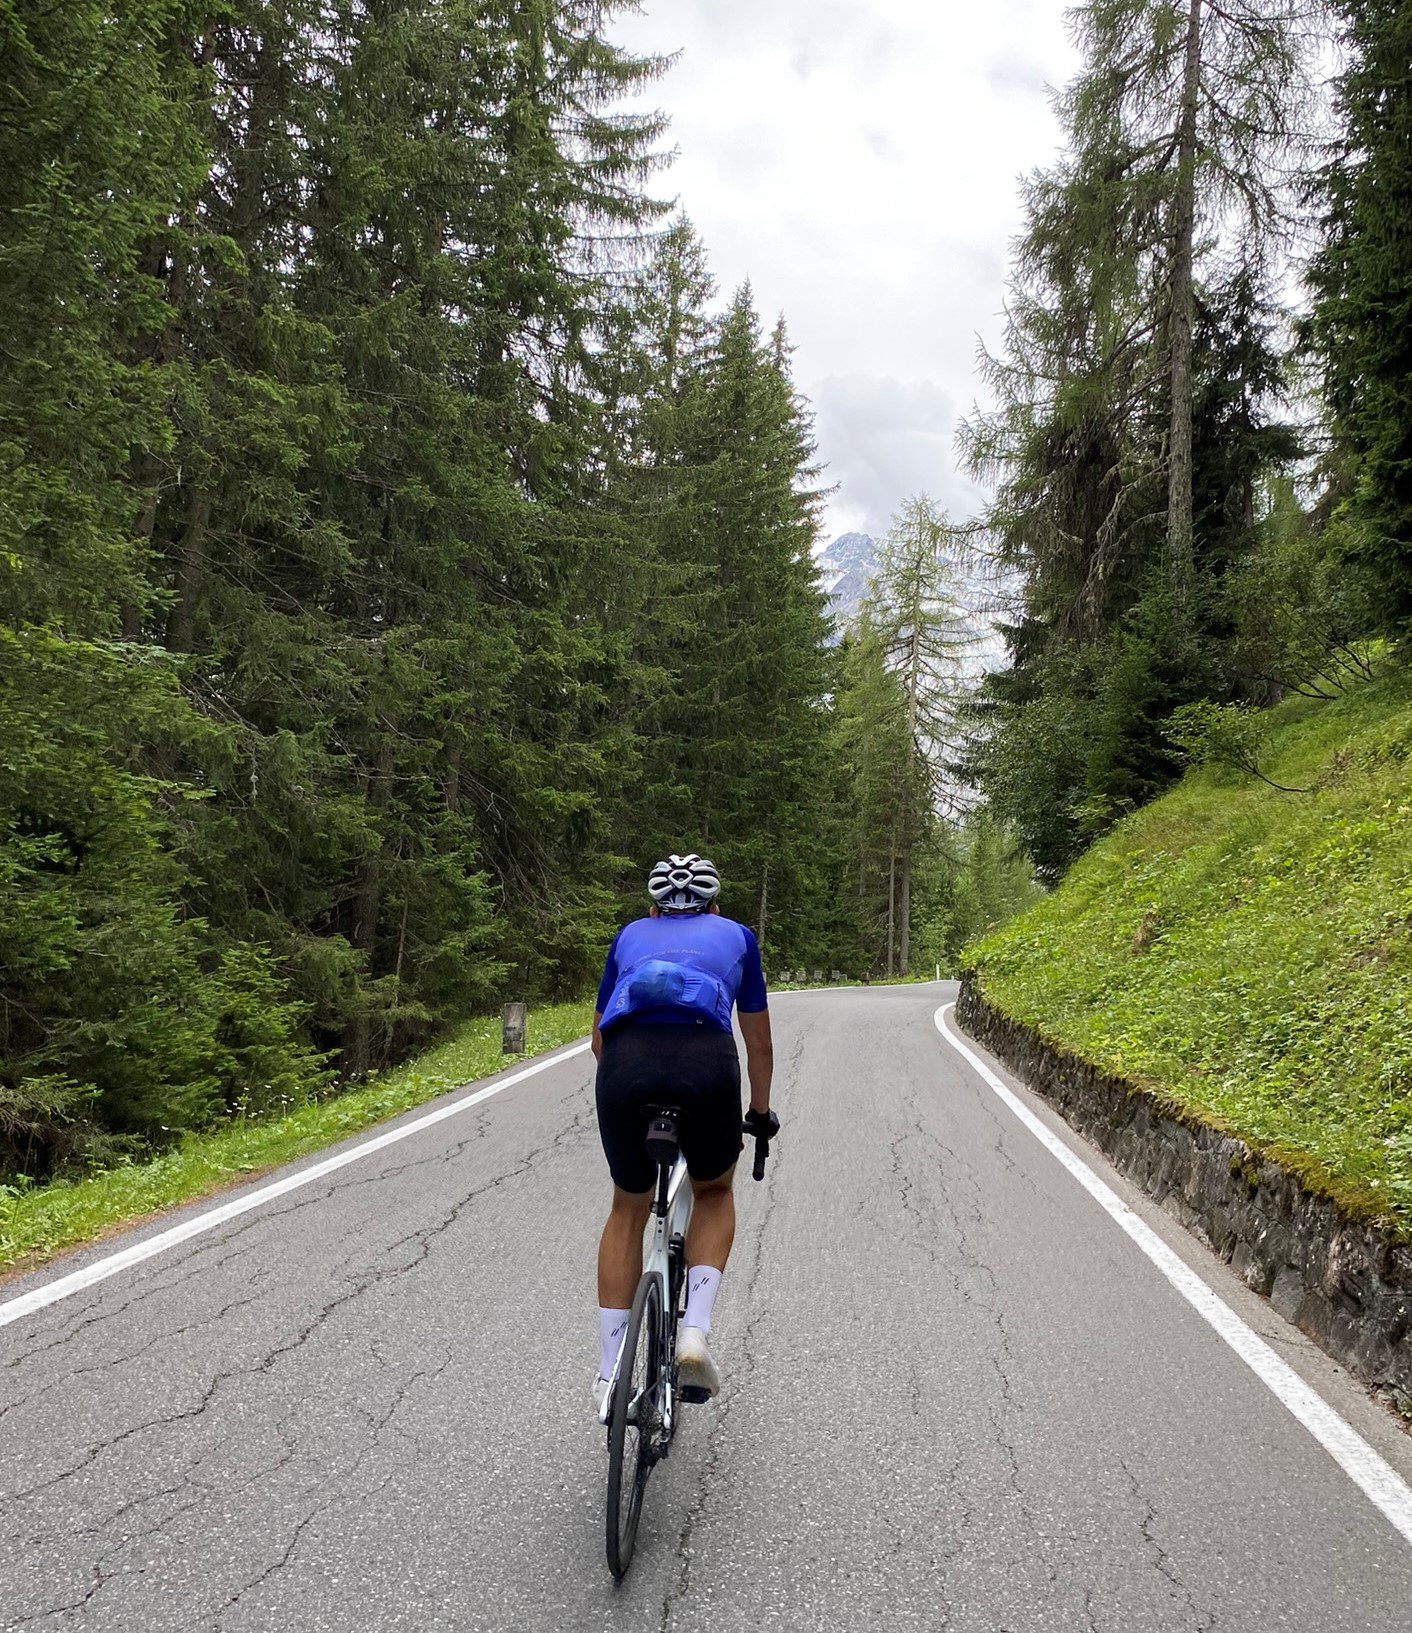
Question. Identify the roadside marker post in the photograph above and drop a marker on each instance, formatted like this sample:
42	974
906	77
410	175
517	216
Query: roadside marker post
513	1026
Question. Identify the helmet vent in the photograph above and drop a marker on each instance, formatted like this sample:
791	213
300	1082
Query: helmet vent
684	884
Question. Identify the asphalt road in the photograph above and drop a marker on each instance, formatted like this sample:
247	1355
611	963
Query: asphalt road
958	1397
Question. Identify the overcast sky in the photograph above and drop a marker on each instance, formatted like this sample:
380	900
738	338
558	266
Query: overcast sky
858	161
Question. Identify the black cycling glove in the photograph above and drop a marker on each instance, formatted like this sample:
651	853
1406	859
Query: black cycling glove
761	1125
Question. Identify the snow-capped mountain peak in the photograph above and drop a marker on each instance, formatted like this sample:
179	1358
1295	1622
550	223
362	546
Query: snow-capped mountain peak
845	566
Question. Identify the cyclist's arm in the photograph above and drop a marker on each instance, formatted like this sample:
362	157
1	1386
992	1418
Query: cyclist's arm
597	1043
759	1055
755	1025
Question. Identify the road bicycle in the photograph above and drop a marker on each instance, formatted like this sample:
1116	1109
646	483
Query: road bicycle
644	1394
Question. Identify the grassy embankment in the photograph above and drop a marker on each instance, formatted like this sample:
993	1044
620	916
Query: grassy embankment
40	1221
1247	954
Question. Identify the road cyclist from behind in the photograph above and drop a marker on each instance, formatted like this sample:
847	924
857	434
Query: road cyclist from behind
662	1038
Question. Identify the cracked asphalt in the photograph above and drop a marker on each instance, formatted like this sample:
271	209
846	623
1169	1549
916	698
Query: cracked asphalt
957	1397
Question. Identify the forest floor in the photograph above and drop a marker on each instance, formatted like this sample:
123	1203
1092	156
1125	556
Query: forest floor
37	1222
1246	953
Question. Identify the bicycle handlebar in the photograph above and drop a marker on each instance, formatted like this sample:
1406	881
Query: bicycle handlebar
764	1126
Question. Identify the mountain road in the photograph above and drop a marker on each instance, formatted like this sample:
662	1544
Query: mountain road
957	1395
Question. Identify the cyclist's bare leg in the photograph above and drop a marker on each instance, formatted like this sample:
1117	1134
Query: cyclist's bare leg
708	1246
712	1228
620	1249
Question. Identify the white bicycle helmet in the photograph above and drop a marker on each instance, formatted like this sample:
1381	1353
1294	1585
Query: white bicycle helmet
684	884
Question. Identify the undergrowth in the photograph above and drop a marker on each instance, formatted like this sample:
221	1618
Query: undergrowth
1247	953
40	1220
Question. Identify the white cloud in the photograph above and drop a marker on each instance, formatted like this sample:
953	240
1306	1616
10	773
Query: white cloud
860	165
889	439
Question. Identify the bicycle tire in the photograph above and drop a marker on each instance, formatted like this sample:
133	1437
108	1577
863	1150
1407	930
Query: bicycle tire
641	1375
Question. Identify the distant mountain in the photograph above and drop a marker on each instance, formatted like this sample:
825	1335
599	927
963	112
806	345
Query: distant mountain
845	566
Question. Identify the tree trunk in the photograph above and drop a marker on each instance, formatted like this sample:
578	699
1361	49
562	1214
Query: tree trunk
1180	543
892	904
367	902
190	569
764	903
165	260
904	912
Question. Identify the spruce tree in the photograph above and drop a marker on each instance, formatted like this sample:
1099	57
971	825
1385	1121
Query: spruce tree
732	765
126	1015
388	525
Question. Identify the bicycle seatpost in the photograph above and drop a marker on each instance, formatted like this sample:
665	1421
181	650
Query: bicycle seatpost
662	1146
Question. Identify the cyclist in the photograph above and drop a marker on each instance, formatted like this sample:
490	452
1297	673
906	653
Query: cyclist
662	1037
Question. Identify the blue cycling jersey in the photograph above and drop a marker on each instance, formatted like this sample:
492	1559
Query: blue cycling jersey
681	967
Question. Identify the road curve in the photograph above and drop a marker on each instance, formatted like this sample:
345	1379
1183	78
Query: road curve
958	1397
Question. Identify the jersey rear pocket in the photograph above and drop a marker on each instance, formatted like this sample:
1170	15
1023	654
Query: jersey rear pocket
659	983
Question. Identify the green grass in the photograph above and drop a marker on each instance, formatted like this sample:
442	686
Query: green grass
35	1223
1247	954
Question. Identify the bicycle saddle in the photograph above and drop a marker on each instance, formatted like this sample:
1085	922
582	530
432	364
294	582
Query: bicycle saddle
662	1139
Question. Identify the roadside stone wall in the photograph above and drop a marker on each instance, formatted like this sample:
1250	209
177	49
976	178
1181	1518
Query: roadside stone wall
1346	1284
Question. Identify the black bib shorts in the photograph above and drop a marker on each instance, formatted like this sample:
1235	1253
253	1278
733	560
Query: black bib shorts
691	1065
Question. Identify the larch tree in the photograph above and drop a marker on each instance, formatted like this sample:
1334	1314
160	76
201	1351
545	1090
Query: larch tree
886	790
1137	393
916	609
1362	322
1208	103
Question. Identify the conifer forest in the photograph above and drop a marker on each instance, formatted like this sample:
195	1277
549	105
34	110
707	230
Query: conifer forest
404	542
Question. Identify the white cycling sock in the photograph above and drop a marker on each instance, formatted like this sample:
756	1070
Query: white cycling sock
702	1284
612	1324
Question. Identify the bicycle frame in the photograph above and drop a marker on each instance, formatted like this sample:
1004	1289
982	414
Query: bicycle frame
665	1258
649	1406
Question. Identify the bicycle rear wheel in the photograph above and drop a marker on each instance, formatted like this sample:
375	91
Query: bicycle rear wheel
635	1422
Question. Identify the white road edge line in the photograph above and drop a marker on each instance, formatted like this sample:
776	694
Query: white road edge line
64	1286
1372	1474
